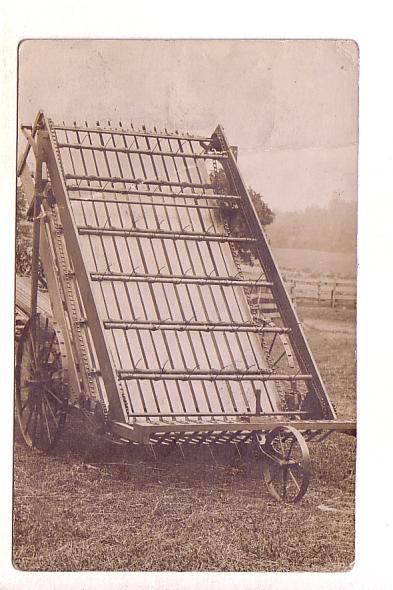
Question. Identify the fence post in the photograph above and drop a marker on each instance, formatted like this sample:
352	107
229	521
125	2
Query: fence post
293	293
333	296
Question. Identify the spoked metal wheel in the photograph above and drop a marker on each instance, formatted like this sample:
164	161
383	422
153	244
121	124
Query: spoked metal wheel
40	384
286	466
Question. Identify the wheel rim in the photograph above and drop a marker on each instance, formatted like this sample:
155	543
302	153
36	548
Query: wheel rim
40	380
287	466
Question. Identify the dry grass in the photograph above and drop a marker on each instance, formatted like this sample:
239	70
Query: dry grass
91	505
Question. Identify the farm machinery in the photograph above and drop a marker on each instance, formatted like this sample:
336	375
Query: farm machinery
152	330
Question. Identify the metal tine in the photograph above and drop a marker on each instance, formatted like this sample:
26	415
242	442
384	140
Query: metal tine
180	447
272	344
164	365
166	320
237	449
151	446
108	267
220	372
211	453
278	359
257	281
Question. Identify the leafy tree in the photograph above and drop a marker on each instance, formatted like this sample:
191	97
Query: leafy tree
23	238
265	214
234	217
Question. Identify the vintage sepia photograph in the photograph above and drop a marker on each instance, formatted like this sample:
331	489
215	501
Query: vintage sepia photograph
185	306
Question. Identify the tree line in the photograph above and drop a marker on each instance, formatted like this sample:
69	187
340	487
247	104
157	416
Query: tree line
330	229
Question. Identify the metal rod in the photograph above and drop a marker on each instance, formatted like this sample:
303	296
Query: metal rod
118	179
37	198
223	375
146	152
147	193
170	235
148	203
199	326
213	414
131	133
175	279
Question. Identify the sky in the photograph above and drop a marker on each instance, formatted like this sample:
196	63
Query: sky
291	107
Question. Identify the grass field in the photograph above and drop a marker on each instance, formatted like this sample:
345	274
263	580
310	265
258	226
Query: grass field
91	505
316	262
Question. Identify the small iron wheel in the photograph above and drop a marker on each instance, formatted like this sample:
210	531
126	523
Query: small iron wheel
40	384
287	466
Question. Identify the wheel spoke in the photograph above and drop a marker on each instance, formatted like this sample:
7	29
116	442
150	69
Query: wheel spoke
46	421
293	478
50	348
33	438
24	405
281	445
28	419
41	341
50	408
60	401
284	483
290	449
271	455
32	348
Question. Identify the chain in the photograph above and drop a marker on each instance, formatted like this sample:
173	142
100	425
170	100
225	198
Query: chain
72	307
